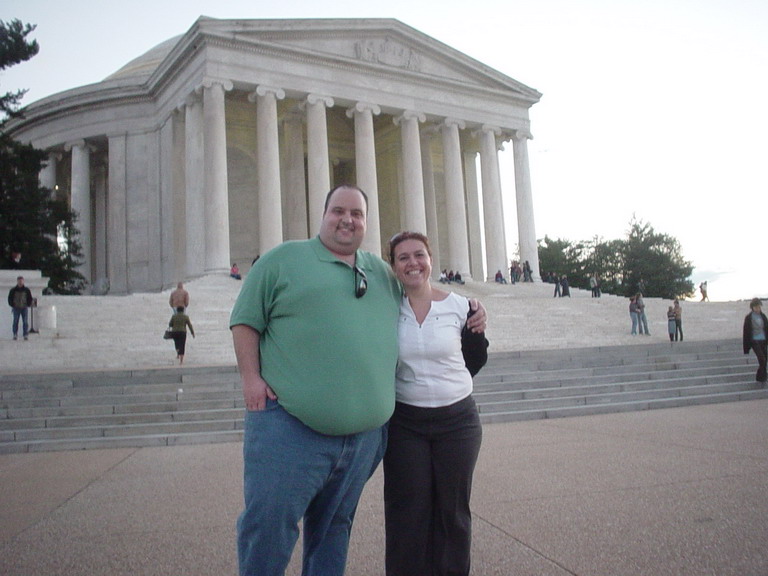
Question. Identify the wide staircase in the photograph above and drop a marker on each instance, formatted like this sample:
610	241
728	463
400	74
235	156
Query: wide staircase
203	404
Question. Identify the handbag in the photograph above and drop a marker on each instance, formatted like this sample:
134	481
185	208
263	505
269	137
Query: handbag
474	348
168	334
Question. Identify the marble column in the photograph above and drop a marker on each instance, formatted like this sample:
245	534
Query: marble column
117	215
413	180
430	198
365	166
458	250
216	183
100	229
47	176
268	166
194	199
295	193
318	163
474	221
495	245
524	197
81	202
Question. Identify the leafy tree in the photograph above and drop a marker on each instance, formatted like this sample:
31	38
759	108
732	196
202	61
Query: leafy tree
565	257
608	264
32	221
656	259
14	49
621	264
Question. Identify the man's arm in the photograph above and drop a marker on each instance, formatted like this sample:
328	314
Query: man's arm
255	389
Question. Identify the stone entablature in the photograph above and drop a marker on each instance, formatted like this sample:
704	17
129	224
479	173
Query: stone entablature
205	150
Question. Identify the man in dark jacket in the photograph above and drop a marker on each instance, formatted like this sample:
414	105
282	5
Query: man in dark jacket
20	299
756	337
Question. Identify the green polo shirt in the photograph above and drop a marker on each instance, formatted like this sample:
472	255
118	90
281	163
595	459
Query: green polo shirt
330	357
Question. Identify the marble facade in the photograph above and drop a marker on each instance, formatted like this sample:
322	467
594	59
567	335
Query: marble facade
219	144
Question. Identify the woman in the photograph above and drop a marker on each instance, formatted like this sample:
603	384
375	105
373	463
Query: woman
633	313
756	338
435	432
178	325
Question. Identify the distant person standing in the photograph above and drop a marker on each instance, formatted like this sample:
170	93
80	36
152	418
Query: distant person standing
16	261
633	314
756	337
703	290
642	319
179	297
564	286
20	300
671	328
678	320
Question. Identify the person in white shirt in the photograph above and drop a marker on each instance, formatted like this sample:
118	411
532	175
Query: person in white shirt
435	432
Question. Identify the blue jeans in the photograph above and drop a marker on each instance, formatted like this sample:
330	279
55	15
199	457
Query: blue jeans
23	313
643	322
633	315
292	472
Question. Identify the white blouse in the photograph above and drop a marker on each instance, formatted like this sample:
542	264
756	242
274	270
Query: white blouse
430	367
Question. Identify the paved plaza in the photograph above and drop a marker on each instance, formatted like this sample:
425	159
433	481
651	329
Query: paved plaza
677	492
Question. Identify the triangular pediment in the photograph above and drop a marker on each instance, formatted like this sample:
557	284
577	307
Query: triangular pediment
380	45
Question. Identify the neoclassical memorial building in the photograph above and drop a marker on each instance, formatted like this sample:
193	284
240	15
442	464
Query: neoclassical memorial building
217	145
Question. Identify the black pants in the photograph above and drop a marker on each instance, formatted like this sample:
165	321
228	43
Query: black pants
760	348
180	340
679	328
428	467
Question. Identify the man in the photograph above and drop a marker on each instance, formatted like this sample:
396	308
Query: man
20	299
756	338
179	297
315	336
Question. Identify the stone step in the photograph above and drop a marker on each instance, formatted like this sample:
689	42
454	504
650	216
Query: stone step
555	390
594	409
159	407
585	396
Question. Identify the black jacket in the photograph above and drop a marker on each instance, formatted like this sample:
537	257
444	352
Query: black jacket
747	339
19	289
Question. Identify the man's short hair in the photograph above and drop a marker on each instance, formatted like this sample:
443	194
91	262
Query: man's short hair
328	196
19	277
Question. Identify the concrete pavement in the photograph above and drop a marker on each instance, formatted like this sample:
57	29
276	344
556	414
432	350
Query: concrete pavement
678	492
666	492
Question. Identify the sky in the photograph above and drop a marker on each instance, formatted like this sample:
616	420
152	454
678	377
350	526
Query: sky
651	109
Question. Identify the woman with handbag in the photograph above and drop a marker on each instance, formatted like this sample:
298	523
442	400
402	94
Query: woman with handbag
435	431
178	327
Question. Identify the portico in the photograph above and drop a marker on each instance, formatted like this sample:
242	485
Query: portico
218	145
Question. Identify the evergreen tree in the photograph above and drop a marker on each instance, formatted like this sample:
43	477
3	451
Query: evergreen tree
654	257
32	222
563	257
657	259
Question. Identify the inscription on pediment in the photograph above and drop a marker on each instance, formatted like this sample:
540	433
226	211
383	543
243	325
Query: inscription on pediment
389	52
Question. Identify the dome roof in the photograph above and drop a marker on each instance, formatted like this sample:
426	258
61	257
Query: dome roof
142	67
